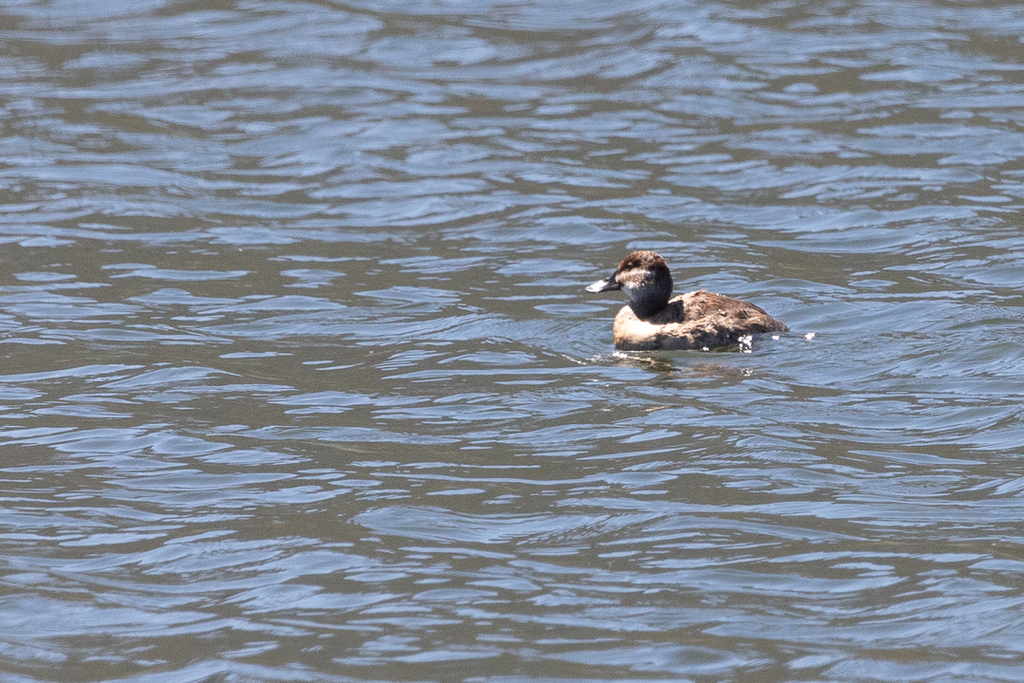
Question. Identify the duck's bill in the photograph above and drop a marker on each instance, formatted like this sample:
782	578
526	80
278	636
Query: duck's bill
604	285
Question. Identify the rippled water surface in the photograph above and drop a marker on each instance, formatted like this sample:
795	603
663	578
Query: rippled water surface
300	381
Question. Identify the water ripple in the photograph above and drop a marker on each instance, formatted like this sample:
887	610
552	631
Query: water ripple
300	380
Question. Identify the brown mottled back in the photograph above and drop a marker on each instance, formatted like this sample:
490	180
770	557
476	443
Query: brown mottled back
693	320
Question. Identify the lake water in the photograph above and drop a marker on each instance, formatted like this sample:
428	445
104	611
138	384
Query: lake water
300	382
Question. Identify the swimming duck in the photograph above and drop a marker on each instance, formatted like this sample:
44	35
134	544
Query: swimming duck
694	320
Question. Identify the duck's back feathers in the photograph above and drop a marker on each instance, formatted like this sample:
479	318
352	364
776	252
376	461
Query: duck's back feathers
694	320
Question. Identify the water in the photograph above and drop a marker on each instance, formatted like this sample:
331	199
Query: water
300	381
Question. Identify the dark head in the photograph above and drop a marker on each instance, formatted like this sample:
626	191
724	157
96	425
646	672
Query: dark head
645	278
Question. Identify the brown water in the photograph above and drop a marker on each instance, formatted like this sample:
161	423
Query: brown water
300	381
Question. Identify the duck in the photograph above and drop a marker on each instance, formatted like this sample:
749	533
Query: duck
654	321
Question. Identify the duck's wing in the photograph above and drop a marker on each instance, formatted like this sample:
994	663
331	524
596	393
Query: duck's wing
694	320
723	312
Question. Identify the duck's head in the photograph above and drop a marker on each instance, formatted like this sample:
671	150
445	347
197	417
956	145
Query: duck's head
646	280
